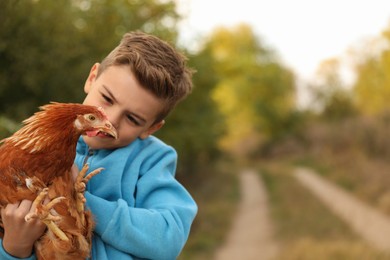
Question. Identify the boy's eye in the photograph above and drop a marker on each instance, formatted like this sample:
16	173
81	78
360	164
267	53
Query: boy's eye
107	99
133	120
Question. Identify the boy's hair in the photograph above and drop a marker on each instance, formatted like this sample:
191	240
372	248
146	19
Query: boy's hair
157	66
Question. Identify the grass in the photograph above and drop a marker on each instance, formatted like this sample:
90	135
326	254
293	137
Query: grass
304	226
367	178
309	249
297	211
353	155
356	152
217	200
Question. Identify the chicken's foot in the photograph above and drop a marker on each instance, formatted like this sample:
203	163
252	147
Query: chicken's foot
42	211
80	185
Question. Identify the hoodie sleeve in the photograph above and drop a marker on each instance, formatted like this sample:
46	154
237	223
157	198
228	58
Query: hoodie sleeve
159	224
5	256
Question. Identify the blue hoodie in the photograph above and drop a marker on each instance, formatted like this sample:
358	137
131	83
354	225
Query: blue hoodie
140	210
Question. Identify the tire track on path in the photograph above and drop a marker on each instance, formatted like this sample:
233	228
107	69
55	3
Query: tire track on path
250	237
372	225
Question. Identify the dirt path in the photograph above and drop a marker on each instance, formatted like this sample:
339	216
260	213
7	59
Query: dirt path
370	224
251	235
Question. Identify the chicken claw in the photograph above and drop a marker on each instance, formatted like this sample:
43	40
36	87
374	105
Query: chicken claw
80	185
42	211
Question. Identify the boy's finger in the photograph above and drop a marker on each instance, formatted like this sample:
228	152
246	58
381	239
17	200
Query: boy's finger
11	206
26	206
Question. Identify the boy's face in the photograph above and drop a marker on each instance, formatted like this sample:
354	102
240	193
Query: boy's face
130	108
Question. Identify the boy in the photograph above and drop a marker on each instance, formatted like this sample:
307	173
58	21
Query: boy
141	211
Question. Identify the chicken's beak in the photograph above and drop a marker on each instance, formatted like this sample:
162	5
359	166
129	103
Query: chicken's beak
109	129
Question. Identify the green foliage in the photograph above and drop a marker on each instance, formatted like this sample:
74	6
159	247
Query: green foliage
47	47
103	22
36	48
331	96
7	127
194	127
339	107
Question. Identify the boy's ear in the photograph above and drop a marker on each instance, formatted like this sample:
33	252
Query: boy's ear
91	77
152	129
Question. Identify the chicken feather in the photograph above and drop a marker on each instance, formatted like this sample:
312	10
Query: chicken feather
35	163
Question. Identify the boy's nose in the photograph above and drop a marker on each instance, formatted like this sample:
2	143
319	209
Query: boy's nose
114	123
114	119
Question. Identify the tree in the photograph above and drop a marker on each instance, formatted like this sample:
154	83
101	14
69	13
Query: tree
47	47
35	55
372	85
195	127
255	93
332	98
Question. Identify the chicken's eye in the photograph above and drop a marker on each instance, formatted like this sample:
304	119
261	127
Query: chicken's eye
91	117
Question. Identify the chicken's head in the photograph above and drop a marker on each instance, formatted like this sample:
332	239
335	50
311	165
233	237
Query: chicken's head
95	123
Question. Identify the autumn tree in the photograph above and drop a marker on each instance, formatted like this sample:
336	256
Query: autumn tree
372	85
254	92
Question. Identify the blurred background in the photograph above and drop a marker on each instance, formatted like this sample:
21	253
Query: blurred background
267	103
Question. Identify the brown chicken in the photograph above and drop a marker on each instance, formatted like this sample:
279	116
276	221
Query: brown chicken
35	164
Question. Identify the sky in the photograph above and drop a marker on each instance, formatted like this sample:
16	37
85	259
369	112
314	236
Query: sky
302	32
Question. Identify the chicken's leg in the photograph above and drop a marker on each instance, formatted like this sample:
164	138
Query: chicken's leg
80	185
43	213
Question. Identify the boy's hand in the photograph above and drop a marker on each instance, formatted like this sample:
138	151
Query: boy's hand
19	235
